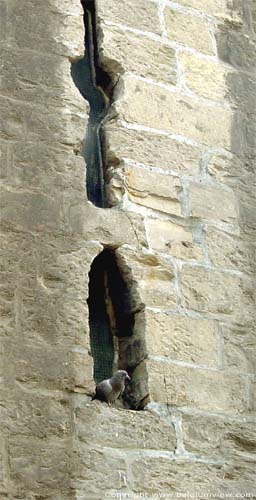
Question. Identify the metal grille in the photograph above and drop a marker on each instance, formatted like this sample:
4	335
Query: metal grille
101	338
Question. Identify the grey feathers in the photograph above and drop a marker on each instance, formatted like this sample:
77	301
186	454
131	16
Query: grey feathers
110	389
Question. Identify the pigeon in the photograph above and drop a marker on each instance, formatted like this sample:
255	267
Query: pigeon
110	389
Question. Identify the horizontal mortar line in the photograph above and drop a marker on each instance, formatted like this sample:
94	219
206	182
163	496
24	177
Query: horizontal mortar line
190	313
160	39
210	267
156	131
185	364
154	169
187	10
150	453
181	92
129	205
186	410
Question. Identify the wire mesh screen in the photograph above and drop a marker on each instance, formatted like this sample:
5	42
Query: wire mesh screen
101	338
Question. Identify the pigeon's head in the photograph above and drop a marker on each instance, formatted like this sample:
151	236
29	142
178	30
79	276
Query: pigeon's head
122	375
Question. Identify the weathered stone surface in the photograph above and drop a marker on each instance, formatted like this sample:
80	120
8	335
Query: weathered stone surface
204	77
210	390
168	237
39	465
217	292
58	30
129	429
227	250
177	23
174	113
153	190
110	471
145	57
144	17
209	6
212	202
156	475
209	435
182	338
29	414
151	149
153	278
239	345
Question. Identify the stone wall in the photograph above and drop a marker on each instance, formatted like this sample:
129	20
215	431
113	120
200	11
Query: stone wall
180	150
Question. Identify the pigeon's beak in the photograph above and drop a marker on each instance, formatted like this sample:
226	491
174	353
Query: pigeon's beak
127	377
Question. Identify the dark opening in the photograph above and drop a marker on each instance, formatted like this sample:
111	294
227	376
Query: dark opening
115	344
94	84
110	315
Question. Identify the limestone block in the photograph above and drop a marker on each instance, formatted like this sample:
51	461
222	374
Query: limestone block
204	77
191	387
182	338
150	149
144	17
177	23
214	7
50	367
39	415
212	202
170	238
217	292
221	167
163	475
62	169
139	55
153	190
153	278
39	465
21	120
227	250
49	77
99	469
174	113
208	435
54	28
128	429
239	346
3	20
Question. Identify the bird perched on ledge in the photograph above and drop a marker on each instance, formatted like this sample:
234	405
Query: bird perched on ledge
110	389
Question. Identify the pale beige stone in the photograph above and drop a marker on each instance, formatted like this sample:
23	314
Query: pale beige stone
184	28
151	149
209	201
124	51
217	292
220	436
221	167
144	17
205	78
227	250
209	6
172	239
209	390
129	429
179	478
153	189
153	278
174	113
182	338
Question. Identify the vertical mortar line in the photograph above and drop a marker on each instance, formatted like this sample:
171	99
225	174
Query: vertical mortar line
221	346
161	7
184	196
181	83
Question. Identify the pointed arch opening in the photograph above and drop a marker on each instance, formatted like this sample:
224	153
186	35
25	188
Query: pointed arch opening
113	314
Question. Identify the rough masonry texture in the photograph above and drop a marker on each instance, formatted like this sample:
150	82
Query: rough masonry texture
180	157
